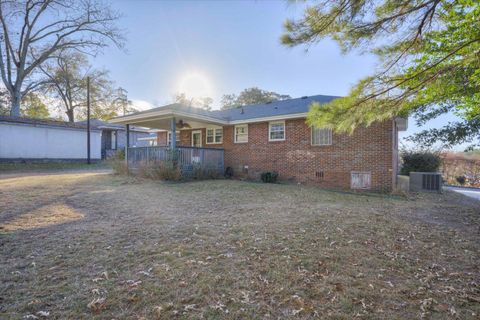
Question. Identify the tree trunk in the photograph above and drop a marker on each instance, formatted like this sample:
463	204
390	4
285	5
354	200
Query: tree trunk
15	104
71	117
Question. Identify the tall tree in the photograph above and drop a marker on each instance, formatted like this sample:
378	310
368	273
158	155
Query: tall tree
65	79
124	105
252	95
429	52
34	107
106	101
33	31
203	102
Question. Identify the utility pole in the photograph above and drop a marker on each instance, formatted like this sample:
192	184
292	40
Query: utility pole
88	120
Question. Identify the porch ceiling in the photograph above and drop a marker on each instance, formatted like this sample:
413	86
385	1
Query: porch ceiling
163	122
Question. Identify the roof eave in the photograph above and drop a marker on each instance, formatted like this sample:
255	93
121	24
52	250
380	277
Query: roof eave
165	114
271	118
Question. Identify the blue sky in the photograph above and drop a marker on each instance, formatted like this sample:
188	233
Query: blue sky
218	47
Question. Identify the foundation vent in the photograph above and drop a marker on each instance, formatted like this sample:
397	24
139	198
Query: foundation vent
319	175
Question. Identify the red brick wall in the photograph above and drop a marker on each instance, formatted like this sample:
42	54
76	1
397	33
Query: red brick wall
186	138
295	159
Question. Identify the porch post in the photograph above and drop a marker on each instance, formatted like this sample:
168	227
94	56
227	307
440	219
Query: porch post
173	143
127	144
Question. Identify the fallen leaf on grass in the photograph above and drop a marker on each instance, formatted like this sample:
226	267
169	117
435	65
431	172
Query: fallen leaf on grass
133	283
189	307
146	273
43	314
133	298
426	304
158	310
182	284
97	304
295	312
34	301
219	306
453	311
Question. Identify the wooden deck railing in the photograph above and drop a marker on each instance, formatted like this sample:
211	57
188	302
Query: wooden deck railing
187	158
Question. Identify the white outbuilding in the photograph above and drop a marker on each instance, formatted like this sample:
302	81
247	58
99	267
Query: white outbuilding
38	139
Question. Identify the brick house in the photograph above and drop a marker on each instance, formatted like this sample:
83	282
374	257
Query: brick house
275	137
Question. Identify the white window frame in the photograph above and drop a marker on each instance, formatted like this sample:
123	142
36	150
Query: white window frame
169	137
235	133
214	136
270	130
321	144
195	132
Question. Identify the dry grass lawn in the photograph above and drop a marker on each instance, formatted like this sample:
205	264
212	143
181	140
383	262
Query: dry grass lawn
90	245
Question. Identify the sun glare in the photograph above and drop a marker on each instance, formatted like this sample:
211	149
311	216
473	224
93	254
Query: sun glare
195	85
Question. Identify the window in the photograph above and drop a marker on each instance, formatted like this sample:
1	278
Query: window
114	140
241	134
321	136
276	131
169	137
214	135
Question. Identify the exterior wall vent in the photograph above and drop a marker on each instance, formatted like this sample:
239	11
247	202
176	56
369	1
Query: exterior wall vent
319	175
425	181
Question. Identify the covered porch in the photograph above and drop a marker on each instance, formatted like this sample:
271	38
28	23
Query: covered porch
171	119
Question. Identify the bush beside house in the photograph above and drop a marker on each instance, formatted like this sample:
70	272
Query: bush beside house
420	161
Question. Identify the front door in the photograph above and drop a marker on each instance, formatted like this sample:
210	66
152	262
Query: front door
106	142
197	139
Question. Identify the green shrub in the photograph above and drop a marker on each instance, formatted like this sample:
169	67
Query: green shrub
420	161
269	177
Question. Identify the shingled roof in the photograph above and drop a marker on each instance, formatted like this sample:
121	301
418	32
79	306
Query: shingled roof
271	109
245	113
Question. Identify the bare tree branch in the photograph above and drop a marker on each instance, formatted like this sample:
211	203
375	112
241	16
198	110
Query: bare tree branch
33	31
